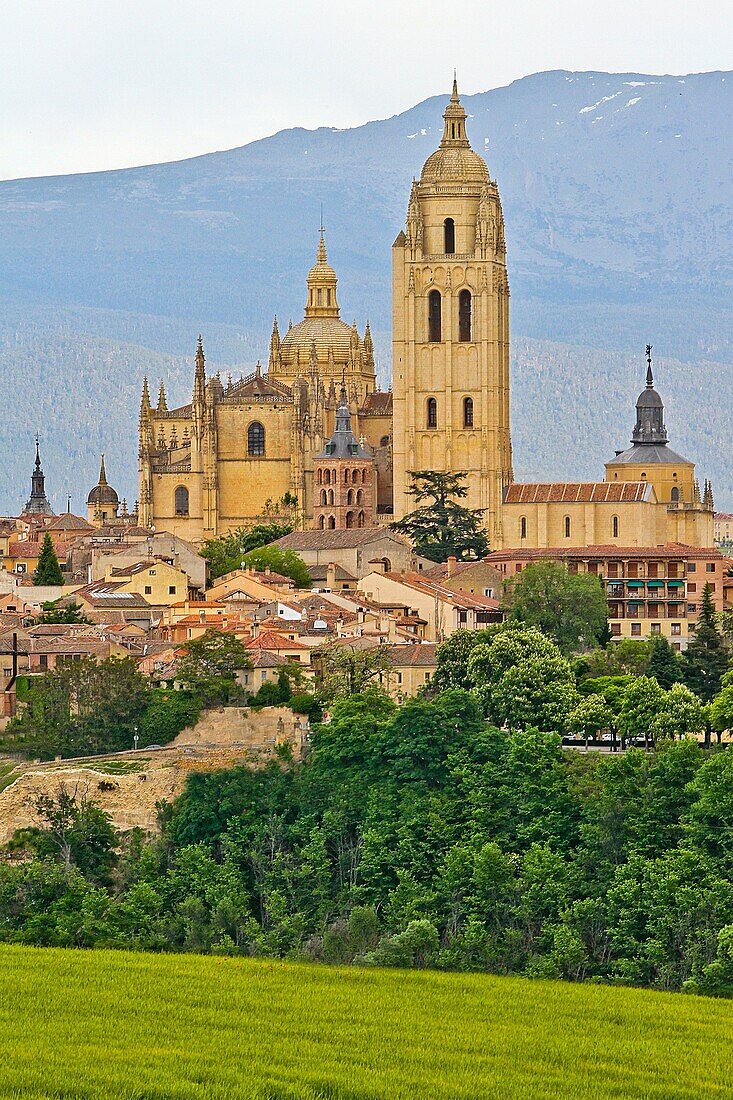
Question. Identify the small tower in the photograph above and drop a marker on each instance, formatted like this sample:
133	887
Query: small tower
343	478
37	504
102	502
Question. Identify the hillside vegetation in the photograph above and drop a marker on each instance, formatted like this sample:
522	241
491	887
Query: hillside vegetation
116	1026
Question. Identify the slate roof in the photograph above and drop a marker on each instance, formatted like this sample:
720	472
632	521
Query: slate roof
419	655
377	404
649	454
334	540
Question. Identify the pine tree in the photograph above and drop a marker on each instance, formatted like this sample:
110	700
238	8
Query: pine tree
441	528
48	570
664	664
706	659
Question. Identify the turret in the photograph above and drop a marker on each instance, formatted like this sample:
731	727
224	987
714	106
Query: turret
162	403
102	502
37	504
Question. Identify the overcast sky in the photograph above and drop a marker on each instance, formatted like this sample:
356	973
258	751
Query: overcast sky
95	84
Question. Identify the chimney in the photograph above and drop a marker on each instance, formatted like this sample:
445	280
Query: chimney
331	575
202	616
255	627
452	561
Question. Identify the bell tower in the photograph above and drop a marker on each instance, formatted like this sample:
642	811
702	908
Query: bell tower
450	316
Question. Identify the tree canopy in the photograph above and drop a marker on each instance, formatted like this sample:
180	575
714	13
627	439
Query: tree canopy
440	527
225	554
571	608
48	570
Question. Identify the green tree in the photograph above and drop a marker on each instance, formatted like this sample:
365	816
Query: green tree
571	608
705	660
85	707
48	571
452	657
721	710
682	714
347	669
52	613
538	693
210	666
664	664
441	527
227	553
643	702
625	657
591	715
75	831
285	562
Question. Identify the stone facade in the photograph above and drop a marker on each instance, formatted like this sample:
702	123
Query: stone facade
450	298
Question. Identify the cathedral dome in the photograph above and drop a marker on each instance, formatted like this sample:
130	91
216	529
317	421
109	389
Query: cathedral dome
102	493
325	332
455	160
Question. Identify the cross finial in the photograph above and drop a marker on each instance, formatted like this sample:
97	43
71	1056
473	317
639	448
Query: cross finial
649	375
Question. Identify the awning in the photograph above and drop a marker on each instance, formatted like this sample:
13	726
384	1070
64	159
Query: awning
635	584
676	584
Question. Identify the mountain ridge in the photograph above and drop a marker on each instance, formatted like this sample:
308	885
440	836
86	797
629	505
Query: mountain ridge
619	231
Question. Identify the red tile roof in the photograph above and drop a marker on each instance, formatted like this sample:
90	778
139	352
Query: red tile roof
567	492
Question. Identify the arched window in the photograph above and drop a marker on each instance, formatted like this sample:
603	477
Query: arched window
327	477
359	496
449	236
567	527
464	315
255	439
346	477
614	527
322	522
331	498
675	495
332	523
349	519
434	317
467	412
324	498
181	500
363	477
320	477
361	520
523	527
354	476
350	496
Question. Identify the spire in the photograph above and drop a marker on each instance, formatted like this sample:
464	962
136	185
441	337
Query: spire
454	116
38	503
102	474
199	376
162	404
145	406
321	255
321	283
649	427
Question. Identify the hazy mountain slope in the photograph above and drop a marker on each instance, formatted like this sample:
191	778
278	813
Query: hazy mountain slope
617	193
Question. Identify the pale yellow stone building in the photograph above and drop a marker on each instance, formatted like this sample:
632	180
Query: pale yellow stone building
450	298
243	450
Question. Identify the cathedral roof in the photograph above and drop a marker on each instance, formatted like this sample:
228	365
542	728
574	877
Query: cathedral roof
325	332
343	443
259	385
455	160
102	493
649	438
377	404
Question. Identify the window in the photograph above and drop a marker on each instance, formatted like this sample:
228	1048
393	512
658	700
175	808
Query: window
449	236
331	497
652	570
361	520
322	522
384	441
320	477
255	439
327	477
523	527
181	500
432	413
709	567
354	476
635	630
676	629
462	617
464	316
616	628
467	412
171	590
691	608
349	519
656	628
350	496
434	309
692	587
324	497
614	527
567	527
359	496
320	296
691	567
675	495
148	590
711	587
332	523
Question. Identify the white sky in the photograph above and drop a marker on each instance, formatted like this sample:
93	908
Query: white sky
96	84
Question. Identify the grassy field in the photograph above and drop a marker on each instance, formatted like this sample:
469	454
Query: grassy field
87	1025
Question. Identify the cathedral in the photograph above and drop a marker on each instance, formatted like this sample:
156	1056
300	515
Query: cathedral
313	441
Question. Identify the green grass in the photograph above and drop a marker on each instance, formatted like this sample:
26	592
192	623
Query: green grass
87	1025
8	774
117	767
